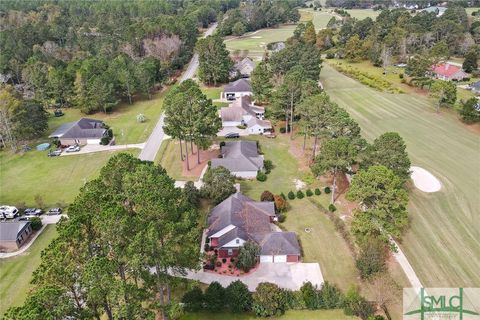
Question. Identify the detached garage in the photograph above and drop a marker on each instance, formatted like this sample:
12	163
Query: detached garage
277	247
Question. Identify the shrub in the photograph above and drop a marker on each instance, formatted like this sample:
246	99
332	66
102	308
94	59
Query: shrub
327	190
191	193
215	297
295	300
174	311
317	191
232	260
36	223
105	140
269	300
309	193
400	75
238	297
291	195
283	196
280	204
241	127
141	118
193	300
332	208
282	130
268	165
300	194
261	176
218	263
222	144
247	256
282	218
267	196
330	296
372	258
357	305
310	296
224	260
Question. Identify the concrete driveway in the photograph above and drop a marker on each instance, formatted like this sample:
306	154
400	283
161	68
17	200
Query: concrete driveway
91	148
285	275
226	130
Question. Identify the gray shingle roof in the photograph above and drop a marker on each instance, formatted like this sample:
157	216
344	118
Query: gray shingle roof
82	129
475	86
245	66
280	243
9	230
240	85
239	156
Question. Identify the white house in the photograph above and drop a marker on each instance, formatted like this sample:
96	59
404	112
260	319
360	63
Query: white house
237	89
242	112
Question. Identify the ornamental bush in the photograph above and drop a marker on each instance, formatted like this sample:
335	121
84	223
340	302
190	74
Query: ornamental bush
291	195
281	204
266	196
269	300
36	223
327	190
300	194
215	297
309	193
261	176
283	196
332	208
193	300
238	297
268	165
317	192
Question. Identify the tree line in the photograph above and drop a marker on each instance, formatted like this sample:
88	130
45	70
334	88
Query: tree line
93	54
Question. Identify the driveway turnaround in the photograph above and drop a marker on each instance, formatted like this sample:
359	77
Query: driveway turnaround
285	275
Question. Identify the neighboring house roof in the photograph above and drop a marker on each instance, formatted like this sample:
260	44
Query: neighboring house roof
245	66
82	129
262	123
240	85
9	231
280	243
239	156
475	86
448	70
240	107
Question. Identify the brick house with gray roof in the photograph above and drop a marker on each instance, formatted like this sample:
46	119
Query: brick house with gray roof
239	219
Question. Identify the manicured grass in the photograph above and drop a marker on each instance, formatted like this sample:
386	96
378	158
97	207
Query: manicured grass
56	179
212	92
289	315
169	158
284	172
363	13
442	243
323	244
16	272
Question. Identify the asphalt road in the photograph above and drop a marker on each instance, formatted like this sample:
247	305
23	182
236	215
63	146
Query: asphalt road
154	142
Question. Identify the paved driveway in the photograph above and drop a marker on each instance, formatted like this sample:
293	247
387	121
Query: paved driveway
285	275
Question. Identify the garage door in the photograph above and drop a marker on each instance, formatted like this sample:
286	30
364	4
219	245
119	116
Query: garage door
266	258
279	258
93	141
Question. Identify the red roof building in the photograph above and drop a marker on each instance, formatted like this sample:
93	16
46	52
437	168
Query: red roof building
447	72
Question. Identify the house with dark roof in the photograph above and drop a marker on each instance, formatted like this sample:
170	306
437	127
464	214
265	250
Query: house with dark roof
239	219
448	72
242	112
83	131
241	158
237	89
475	87
243	68
14	234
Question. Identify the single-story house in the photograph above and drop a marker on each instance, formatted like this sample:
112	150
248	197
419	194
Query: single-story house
83	131
241	158
439	11
239	219
448	72
242	112
475	87
14	234
243	68
237	89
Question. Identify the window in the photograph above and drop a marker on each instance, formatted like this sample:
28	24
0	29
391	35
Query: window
237	241
230	252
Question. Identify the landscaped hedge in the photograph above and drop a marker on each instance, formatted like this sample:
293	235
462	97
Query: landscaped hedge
261	176
291	195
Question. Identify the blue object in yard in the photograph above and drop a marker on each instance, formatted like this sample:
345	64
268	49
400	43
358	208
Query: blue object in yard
43	146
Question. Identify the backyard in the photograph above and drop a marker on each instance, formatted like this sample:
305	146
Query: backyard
17	271
443	227
289	315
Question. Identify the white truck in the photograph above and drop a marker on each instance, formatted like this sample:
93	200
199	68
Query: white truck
8	212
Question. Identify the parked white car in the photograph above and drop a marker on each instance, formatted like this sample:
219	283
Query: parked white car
8	212
74	148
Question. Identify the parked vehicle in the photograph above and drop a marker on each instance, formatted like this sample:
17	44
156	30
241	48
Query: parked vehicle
54	211
74	148
24	218
54	153
232	135
8	212
32	212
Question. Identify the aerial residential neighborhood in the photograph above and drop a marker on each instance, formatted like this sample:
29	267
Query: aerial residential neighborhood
231	159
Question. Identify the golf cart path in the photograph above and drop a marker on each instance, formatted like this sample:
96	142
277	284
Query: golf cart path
155	139
406	266
46	220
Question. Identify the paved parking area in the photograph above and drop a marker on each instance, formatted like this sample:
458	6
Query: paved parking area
285	275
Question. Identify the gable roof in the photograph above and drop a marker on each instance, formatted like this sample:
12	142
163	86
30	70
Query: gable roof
240	85
280	243
475	86
239	156
82	129
239	210
245	66
239	108
447	70
9	231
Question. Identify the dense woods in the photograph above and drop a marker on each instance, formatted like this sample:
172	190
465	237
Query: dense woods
93	54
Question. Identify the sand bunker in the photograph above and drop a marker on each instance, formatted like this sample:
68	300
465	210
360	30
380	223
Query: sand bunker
424	180
256	37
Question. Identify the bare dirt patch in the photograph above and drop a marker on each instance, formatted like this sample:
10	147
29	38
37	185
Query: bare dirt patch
195	167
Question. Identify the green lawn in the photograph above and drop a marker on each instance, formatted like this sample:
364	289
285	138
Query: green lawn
16	272
442	243
57	179
169	158
289	315
212	92
284	172
363	13
323	244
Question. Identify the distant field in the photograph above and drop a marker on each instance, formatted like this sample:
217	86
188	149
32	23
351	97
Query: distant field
442	243
16	272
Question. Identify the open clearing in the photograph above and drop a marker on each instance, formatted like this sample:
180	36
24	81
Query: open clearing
17	271
442	243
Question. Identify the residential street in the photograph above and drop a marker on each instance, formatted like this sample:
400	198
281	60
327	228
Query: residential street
156	137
